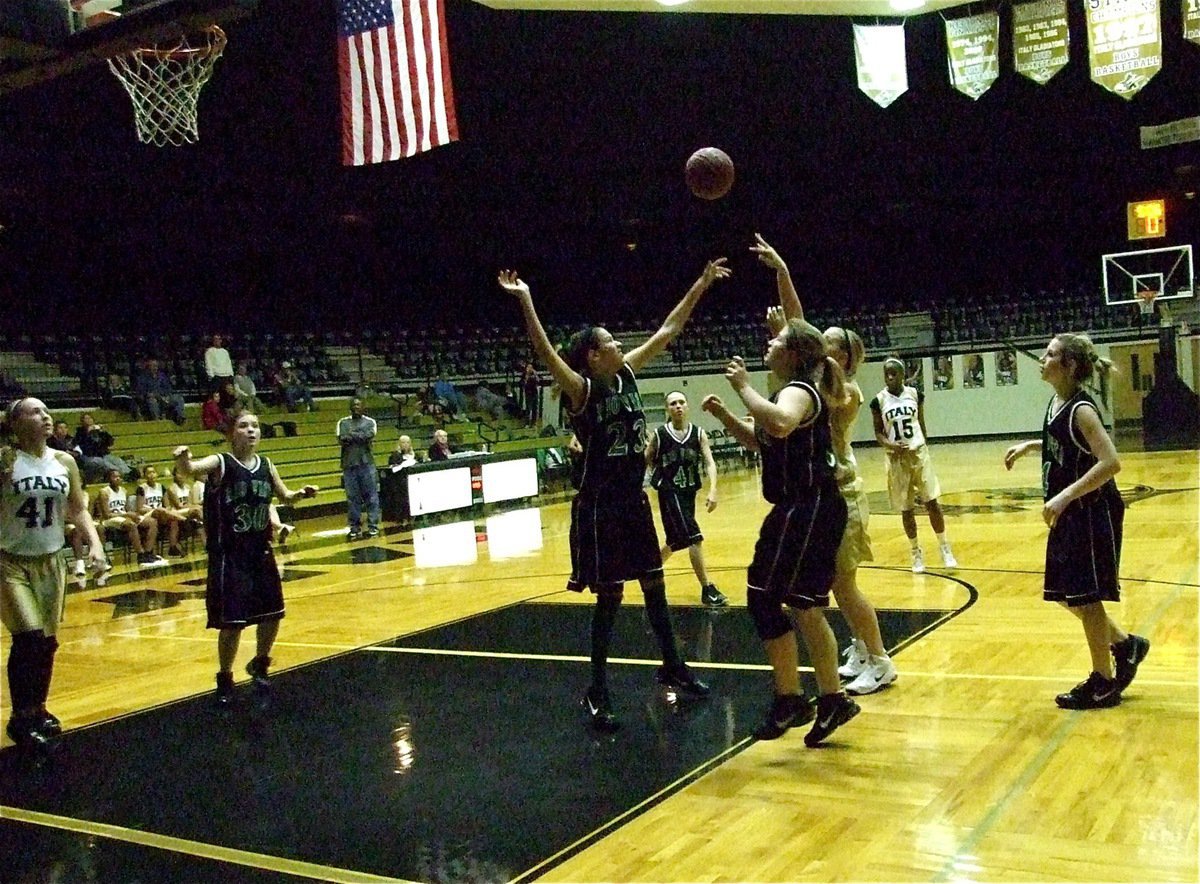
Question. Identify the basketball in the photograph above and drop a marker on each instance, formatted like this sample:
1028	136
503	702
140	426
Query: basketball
709	173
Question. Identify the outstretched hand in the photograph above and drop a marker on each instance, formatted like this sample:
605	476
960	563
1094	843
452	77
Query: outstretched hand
776	321
511	283
181	451
713	405
715	270
767	254
736	374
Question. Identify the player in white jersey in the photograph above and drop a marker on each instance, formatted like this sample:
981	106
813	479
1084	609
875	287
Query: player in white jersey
40	491
868	666
152	502
899	415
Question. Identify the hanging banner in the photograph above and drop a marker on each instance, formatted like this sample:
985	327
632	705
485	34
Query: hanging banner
1124	44
882	65
1191	20
973	52
1177	132
1041	39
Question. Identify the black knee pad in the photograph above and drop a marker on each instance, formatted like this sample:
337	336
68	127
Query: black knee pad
769	620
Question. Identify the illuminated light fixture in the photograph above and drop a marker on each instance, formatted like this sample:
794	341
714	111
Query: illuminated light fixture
907	5
677	2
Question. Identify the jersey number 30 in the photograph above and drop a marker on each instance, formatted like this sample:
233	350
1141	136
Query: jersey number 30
29	512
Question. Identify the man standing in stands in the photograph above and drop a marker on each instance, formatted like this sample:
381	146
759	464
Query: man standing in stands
154	394
359	478
217	364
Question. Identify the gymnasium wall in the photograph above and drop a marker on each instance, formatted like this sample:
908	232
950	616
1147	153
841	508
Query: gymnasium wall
988	410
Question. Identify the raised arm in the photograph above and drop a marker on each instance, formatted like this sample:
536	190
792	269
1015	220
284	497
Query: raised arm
569	381
677	319
789	300
195	468
285	494
742	429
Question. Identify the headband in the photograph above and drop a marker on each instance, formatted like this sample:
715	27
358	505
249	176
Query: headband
896	360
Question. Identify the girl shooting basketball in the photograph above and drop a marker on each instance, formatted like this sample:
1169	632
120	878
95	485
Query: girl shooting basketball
612	531
40	491
244	587
1085	514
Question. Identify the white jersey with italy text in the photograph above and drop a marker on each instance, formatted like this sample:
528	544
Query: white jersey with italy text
900	423
33	505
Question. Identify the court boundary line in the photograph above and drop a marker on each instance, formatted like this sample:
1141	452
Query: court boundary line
188	847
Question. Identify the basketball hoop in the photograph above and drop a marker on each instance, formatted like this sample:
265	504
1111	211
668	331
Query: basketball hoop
165	86
1147	299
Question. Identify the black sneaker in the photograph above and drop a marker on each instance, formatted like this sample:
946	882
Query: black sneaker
26	732
176	552
596	706
49	724
372	532
788	710
683	680
223	698
1128	655
257	670
712	597
833	710
353	534
1097	692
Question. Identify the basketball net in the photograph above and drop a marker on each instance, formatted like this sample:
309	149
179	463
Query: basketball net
1147	302
165	85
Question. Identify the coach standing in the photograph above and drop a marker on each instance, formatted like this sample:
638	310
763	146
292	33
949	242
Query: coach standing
358	470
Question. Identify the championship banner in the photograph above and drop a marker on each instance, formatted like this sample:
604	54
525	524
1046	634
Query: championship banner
1041	39
1191	20
1177	132
973	52
882	64
1124	44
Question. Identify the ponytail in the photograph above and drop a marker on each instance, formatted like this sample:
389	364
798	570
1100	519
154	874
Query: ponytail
1090	369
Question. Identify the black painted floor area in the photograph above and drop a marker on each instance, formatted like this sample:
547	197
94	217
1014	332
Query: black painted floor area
502	774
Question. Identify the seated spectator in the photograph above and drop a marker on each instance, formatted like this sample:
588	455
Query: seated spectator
115	395
185	499
114	515
292	390
61	440
95	444
212	415
246	390
441	449
492	404
152	502
77	538
403	455
154	394
446	392
217	364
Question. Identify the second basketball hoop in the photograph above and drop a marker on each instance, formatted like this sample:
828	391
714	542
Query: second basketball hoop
164	84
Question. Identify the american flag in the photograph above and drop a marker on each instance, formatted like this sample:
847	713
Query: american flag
394	67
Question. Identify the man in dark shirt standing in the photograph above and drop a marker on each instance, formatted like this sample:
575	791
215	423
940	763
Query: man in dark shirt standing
358	470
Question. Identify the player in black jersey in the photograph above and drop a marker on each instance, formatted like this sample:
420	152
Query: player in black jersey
794	558
677	451
244	587
1085	514
612	530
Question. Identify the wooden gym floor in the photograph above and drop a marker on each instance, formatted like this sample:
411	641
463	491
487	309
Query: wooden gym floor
963	770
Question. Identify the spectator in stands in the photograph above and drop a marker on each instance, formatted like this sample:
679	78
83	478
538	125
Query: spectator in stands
403	456
116	395
61	440
185	500
95	444
154	394
112	507
212	415
531	394
359	478
441	449
492	404
217	364
455	401
292	390
247	392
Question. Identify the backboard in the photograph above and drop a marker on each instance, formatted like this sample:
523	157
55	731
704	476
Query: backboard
1168	271
44	39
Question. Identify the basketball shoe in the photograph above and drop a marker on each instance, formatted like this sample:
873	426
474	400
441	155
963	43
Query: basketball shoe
787	711
1128	655
833	710
918	556
223	698
948	559
1097	692
711	597
257	670
856	659
877	674
683	680
598	709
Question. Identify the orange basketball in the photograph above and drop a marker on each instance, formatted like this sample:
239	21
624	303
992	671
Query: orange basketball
709	173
